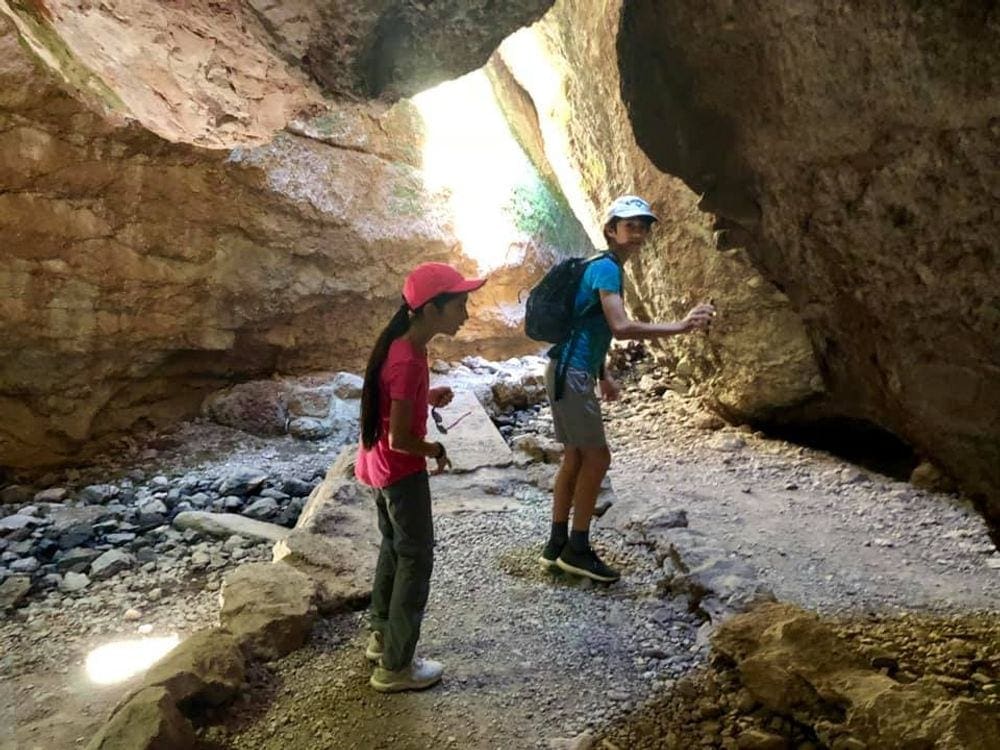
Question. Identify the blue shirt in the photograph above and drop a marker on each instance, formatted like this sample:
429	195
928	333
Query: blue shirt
592	336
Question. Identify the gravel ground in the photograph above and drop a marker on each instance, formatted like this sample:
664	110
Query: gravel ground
536	660
530	656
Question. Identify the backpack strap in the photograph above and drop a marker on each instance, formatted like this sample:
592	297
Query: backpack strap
588	312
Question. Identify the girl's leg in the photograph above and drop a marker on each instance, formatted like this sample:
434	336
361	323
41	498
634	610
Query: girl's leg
409	510
385	569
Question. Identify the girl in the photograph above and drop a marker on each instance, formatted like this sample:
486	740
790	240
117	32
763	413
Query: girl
392	460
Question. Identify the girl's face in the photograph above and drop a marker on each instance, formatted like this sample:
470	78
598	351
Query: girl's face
452	315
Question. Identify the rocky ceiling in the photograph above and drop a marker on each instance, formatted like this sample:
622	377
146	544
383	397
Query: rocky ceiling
221	73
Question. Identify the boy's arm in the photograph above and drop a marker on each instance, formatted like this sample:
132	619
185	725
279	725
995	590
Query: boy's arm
622	327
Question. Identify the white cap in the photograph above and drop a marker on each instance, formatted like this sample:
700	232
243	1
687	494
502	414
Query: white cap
628	207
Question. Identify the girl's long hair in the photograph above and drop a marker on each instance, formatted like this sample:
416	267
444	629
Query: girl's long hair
371	419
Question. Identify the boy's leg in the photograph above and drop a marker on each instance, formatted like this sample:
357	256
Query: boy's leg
562	502
595	463
385	569
409	510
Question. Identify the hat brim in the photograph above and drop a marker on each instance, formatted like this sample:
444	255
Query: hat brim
466	285
632	214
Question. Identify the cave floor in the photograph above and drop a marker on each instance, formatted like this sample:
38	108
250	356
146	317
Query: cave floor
534	660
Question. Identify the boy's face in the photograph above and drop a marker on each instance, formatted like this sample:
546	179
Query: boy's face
628	233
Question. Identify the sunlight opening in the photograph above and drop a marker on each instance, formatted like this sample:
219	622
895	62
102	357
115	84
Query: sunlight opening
526	57
470	153
117	661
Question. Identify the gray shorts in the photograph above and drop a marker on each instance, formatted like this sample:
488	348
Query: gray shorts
577	415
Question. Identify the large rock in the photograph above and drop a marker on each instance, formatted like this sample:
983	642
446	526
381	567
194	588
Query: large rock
149	721
236	73
207	668
341	567
224	525
268	608
142	275
795	665
757	359
860	175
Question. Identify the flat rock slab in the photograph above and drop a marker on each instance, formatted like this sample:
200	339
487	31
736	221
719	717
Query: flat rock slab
489	490
473	442
226	524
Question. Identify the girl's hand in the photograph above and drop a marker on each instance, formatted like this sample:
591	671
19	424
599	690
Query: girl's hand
440	396
699	318
443	462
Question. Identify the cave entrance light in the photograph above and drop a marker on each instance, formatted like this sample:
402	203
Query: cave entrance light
470	153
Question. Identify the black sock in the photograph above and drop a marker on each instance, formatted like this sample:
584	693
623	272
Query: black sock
579	541
560	532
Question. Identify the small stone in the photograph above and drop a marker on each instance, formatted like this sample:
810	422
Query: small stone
73	582
131	615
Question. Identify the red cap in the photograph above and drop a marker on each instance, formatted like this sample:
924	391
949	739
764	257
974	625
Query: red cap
428	280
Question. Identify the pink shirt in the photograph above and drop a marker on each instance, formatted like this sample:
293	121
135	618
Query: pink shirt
404	377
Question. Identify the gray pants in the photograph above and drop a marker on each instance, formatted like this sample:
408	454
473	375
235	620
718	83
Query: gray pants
405	561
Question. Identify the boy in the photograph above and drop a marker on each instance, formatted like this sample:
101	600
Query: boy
579	363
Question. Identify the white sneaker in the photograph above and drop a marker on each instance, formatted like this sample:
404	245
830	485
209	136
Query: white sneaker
373	651
422	673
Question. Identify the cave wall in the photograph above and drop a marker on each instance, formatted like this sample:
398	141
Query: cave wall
138	274
757	360
852	149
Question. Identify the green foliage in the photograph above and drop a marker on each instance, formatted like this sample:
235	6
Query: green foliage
542	212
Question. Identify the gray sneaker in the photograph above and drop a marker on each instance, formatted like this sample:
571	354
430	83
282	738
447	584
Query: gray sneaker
373	651
422	673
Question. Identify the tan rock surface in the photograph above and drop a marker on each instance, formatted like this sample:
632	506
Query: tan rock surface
797	666
226	74
268	608
149	721
140	275
854	155
207	668
757	359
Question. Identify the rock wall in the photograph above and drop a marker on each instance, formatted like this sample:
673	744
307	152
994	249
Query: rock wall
138	274
221	74
852	150
757	360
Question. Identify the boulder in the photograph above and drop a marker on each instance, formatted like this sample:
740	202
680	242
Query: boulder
207	668
795	665
13	590
268	608
242	483
261	509
109	563
341	567
73	582
150	720
224	525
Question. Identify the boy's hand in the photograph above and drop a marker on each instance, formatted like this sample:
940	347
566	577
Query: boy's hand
440	396
699	317
610	390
